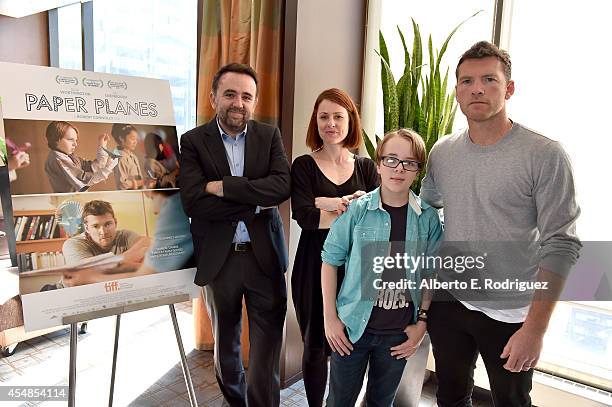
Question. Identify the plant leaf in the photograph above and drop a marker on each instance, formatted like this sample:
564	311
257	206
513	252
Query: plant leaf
445	44
371	150
442	94
392	104
403	97
417	53
406	53
384	54
448	104
449	126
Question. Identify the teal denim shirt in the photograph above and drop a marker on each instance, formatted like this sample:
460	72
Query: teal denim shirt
361	233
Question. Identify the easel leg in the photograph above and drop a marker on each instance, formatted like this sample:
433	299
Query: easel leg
114	369
72	368
184	366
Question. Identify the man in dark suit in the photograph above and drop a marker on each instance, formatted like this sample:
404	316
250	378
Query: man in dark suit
234	173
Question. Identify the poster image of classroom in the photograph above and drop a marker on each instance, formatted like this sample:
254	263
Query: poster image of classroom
69	240
68	156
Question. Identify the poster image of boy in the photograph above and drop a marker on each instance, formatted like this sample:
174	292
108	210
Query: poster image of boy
128	174
161	165
68	172
101	236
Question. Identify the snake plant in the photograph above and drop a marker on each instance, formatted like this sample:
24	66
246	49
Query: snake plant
419	100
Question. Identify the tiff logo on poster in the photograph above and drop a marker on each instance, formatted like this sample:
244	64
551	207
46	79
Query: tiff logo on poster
111	286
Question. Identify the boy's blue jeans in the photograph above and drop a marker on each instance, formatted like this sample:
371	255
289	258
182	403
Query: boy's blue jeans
347	372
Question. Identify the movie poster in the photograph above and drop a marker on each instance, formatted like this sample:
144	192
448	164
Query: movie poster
97	218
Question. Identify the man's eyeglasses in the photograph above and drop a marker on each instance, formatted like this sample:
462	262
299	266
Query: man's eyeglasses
393	162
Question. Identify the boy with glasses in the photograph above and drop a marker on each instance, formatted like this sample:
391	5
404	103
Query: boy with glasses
385	321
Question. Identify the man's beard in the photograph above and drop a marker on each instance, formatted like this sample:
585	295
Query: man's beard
106	248
233	125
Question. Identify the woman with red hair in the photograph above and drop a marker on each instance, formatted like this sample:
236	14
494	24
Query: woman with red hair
324	183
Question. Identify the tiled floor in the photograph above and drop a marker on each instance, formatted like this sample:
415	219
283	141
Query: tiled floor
148	368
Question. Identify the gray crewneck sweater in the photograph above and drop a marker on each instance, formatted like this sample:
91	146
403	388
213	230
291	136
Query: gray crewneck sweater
520	189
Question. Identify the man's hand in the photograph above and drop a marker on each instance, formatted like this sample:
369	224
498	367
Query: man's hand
523	349
136	253
90	275
334	332
415	333
137	183
73	278
150	183
215	188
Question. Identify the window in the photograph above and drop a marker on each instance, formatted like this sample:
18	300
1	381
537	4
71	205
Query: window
561	73
154	39
70	54
150	38
562	91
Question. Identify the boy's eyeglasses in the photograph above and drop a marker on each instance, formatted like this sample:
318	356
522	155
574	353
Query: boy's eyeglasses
393	162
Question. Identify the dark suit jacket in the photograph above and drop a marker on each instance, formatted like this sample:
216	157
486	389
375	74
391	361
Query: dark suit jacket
266	182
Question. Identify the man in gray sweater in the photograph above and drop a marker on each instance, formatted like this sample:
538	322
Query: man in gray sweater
498	182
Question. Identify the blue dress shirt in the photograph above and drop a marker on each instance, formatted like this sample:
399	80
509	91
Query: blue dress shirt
234	150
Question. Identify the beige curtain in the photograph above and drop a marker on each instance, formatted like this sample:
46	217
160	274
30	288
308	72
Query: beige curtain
248	32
